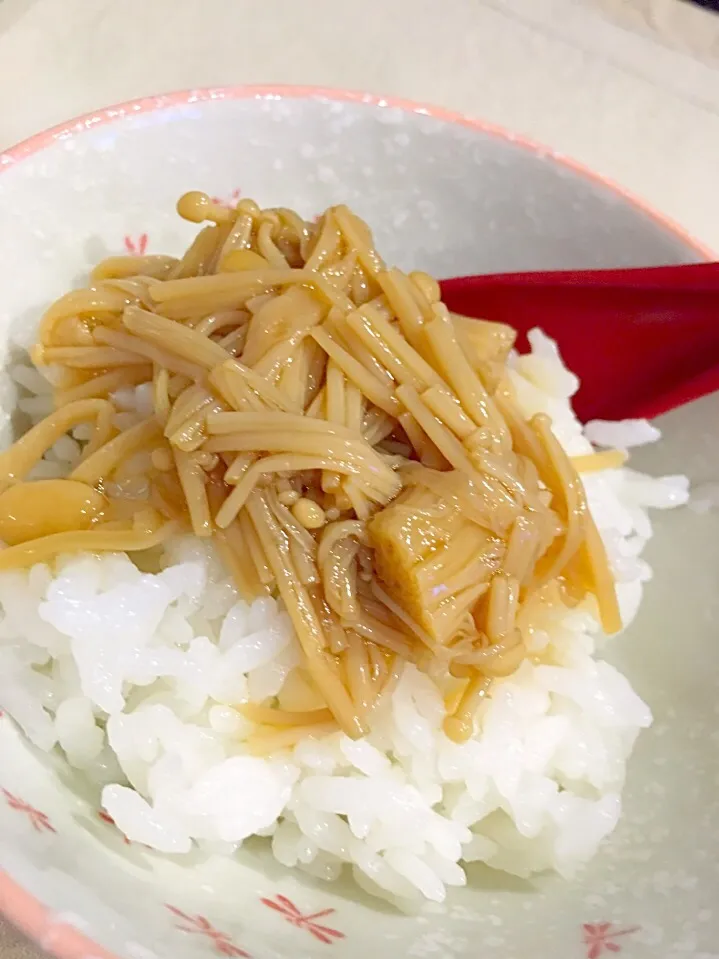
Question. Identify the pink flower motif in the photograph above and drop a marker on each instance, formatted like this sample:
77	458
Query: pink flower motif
203	927
136	247
292	914
599	938
39	820
106	817
230	200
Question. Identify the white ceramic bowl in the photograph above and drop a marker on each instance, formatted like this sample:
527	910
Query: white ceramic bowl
451	196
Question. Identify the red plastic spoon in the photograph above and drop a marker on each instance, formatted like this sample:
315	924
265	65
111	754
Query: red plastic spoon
643	341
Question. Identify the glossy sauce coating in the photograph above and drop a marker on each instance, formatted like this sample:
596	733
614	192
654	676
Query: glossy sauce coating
43	507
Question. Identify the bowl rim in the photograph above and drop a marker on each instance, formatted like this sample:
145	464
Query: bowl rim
103	116
52	931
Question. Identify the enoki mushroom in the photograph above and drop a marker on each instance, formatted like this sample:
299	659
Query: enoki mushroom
349	445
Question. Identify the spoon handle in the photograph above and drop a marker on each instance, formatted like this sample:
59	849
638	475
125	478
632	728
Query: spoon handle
642	341
684	276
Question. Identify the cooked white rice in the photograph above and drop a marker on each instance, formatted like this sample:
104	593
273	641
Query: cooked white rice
134	677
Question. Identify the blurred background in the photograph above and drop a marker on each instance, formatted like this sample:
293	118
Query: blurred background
628	87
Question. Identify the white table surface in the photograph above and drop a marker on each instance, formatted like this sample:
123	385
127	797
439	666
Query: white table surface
628	87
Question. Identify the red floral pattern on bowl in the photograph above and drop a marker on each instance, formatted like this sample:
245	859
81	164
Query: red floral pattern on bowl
308	921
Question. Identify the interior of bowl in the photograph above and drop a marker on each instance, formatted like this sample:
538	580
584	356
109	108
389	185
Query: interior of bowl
449	198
